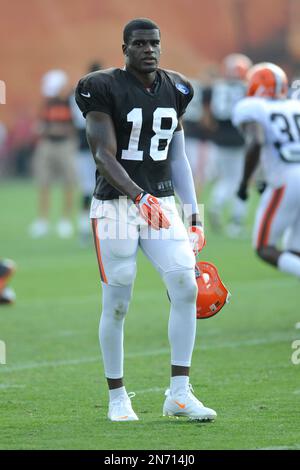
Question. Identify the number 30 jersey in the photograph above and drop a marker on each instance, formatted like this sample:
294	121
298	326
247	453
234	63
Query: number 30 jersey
280	120
144	121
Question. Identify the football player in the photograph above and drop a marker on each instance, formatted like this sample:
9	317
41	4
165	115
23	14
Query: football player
54	156
271	125
7	269
228	144
133	122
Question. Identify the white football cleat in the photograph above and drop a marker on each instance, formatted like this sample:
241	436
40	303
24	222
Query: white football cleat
39	228
121	409
65	229
186	404
7	296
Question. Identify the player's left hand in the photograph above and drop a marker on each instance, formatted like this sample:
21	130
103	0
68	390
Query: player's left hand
197	238
151	211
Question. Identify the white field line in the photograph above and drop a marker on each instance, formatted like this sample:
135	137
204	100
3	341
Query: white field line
259	283
9	386
156	352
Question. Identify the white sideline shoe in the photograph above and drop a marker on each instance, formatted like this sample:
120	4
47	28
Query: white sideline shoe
39	228
65	229
121	409
186	404
7	296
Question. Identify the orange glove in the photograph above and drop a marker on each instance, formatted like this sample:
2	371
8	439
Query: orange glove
197	238
150	210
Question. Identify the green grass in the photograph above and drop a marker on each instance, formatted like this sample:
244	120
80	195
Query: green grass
52	391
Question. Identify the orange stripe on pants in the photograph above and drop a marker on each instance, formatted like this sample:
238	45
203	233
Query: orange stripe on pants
98	252
265	226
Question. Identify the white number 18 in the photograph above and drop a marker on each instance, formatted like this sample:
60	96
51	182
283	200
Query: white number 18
136	117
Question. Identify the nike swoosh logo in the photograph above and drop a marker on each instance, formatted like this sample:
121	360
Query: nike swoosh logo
181	405
151	200
87	95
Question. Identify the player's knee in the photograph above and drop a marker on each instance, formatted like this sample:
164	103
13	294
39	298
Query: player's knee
259	252
116	300
116	309
269	254
263	252
190	291
120	309
182	286
124	274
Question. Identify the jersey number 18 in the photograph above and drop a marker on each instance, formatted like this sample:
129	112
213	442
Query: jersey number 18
160	141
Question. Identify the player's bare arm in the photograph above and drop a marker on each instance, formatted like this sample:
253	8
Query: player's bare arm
254	141
103	143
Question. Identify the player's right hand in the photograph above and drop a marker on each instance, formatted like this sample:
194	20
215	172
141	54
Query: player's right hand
150	210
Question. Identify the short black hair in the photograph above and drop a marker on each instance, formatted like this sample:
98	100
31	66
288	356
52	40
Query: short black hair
138	23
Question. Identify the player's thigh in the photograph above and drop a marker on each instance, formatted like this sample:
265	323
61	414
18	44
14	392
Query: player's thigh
276	212
65	161
168	250
42	162
116	246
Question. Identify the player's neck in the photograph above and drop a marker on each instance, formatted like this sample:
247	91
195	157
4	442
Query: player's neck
146	79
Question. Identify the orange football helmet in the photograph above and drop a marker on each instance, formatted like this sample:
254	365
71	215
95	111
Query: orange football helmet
267	80
212	294
236	66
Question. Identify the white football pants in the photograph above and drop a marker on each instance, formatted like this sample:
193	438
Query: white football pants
118	235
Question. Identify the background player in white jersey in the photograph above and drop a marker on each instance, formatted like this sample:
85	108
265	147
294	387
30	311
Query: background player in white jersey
228	144
135	133
271	125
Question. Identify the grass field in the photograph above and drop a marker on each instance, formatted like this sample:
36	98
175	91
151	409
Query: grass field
52	391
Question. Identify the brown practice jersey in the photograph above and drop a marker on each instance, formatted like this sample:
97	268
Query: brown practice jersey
144	120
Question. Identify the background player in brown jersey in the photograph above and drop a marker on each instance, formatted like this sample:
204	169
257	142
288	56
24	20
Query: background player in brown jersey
135	133
54	158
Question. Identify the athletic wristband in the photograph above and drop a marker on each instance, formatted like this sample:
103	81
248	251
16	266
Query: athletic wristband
139	197
195	221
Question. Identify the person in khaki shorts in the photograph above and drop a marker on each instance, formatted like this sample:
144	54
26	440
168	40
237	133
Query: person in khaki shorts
54	158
